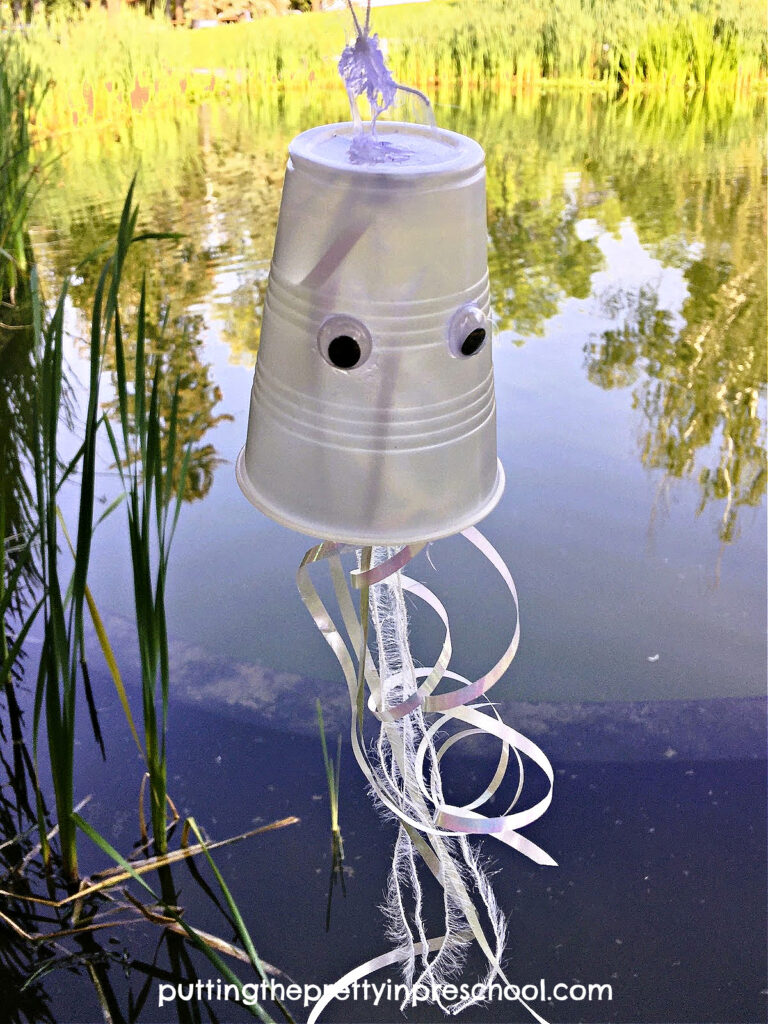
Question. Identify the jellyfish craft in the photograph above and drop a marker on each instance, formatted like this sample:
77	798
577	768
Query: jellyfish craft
373	426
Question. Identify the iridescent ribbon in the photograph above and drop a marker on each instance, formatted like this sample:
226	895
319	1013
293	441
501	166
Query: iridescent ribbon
456	705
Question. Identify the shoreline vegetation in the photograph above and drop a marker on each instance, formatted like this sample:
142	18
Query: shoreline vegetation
107	69
50	910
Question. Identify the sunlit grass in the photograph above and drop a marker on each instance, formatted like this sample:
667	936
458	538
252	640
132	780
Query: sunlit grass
110	71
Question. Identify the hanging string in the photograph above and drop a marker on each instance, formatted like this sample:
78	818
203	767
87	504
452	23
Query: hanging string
365	73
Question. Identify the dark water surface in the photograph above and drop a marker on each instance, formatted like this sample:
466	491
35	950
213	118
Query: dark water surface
627	256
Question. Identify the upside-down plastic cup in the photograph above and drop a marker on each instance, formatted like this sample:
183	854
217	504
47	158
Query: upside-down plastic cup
373	415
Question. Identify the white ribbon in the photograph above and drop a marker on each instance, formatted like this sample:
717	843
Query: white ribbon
428	833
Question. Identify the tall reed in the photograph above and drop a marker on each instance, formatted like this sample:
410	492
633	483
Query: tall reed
21	91
333	778
332	775
58	670
62	662
153	470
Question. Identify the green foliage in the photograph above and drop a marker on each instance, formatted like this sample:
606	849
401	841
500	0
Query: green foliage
200	940
153	474
22	91
62	661
113	70
34	409
699	389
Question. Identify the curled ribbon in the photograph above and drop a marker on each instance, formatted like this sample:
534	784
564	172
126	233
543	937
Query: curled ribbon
430	823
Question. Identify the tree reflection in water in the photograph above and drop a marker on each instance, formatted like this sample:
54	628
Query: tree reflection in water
684	172
699	388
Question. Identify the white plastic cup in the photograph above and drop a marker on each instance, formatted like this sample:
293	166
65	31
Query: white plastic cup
373	415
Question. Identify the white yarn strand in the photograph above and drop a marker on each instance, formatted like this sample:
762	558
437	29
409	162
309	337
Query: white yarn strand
395	768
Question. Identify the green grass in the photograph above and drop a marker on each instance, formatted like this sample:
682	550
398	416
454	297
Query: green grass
112	71
22	90
148	471
63	667
152	466
153	474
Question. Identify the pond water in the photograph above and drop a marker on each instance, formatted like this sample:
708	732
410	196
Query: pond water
627	259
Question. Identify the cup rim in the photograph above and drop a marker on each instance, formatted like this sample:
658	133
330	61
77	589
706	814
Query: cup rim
342	533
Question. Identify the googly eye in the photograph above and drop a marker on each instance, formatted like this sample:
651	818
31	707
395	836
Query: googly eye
344	342
468	331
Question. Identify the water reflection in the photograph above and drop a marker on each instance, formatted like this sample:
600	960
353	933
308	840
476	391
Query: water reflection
627	730
174	353
698	384
686	180
536	256
18	361
580	191
174	287
104	956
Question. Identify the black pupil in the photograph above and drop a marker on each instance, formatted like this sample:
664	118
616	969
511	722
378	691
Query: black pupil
473	341
344	352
